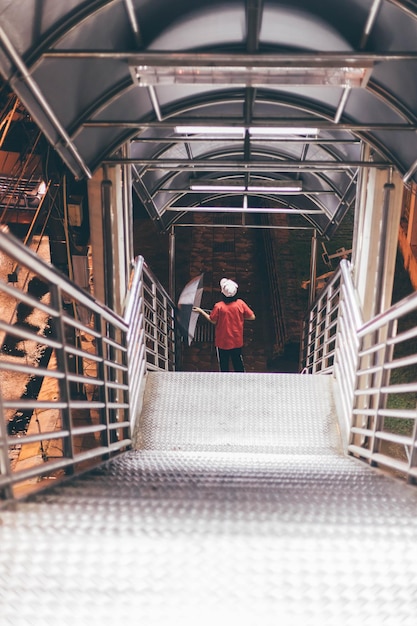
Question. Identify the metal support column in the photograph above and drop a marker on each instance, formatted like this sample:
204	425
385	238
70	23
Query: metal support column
172	263
313	267
380	295
106	198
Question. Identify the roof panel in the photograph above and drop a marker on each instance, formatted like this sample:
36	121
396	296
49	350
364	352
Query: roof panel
71	63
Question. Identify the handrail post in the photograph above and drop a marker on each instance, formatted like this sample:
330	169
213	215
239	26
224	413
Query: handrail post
5	469
58	332
172	263
313	268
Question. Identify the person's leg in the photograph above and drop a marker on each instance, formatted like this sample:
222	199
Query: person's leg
223	357
237	359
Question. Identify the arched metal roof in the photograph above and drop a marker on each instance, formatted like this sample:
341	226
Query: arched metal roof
97	74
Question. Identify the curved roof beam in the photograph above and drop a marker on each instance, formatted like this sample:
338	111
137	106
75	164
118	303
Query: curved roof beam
22	72
63	27
216	157
408	6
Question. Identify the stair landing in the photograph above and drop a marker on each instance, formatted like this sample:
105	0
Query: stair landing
230	412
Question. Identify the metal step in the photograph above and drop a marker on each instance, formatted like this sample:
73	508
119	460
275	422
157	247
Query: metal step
233	412
238	536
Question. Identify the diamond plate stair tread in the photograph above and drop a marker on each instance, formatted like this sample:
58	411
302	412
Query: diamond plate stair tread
190	537
209	537
215	411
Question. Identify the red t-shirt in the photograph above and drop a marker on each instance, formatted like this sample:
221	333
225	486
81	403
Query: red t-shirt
229	320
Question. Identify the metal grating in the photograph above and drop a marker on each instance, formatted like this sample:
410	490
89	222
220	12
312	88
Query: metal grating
238	412
243	536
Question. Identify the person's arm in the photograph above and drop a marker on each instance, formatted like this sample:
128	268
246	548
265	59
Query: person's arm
249	314
197	309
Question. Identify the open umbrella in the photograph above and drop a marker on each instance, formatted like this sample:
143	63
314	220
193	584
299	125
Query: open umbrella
190	296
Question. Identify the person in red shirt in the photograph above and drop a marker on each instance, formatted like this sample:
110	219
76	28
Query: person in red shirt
229	315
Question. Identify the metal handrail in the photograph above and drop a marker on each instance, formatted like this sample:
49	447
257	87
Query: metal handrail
319	333
71	370
347	344
151	338
378	413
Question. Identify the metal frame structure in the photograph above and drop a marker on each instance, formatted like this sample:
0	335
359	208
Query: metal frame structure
378	415
89	387
126	77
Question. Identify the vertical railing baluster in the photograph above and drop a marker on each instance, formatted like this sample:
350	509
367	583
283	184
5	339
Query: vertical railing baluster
6	490
58	333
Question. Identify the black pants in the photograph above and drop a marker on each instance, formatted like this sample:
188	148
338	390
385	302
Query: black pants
235	355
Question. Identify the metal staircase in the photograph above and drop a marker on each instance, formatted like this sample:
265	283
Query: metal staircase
237	507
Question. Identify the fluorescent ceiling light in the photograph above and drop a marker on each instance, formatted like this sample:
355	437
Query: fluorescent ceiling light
276	187
225	209
268	186
149	74
282	131
215	185
238	131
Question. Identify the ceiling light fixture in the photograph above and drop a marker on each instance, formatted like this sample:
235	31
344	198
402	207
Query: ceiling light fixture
237	131
215	185
275	131
244	209
268	186
160	72
279	186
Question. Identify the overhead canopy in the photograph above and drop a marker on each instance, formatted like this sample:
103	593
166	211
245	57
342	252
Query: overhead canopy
98	74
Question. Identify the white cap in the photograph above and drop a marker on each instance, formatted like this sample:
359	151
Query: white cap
228	287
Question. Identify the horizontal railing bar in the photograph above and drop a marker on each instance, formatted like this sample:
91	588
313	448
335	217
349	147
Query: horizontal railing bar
51	466
369	370
22	296
117	425
115	385
393	438
33	404
117	405
24	439
397	310
25	256
17	331
87	380
357	430
400	388
87	430
83	354
78	325
391	462
400	413
46	468
113	344
382	459
401	362
51	404
115	366
403	336
363	452
371	349
20	368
